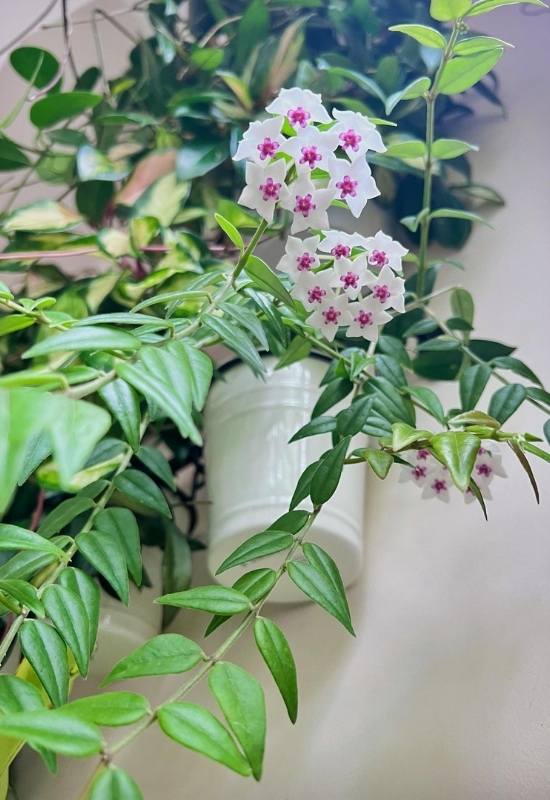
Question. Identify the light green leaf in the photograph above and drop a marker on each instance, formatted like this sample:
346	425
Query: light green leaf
447	10
454	213
257	546
84	587
255	584
489	5
75	429
45	651
230	231
412	148
506	401
83	339
326	477
68	614
213	599
379	461
236	340
121	524
463	72
63	514
429	37
44	216
53	730
106	554
123	403
111	709
404	435
265	279
57	107
536	451
114	784
451	148
478	44
15	538
18	695
15	322
416	88
93	165
165	654
199	730
276	653
24	593
139	487
457	450
473	381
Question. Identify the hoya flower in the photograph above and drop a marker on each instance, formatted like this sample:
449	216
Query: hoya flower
366	317
438	485
308	204
261	141
313	289
356	134
418	474
300	255
387	289
265	186
299	106
353	183
485	492
385	251
488	464
340	244
331	315
349	276
311	147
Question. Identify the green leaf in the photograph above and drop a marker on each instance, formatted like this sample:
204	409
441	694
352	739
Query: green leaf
176	567
404	435
463	72
298	349
489	5
255	584
457	450
453	213
24	593
121	524
241	698
331	395
320	580
416	88
35	65
365	83
53	730
157	463
75	429
213	599
506	401
389	367
106	554
277	655
326	477
315	427
139	487
451	148
522	458
429	37
15	538
547	430
68	614
93	165
412	148
536	451
541	395
199	156
114	783
473	381
257	546
15	323
230	231
253	28
123	403
44	216
207	58
265	279
11	157
199	730
379	461
389	403
165	654
83	586
54	108
462	305
63	514
447	10
236	340
18	695
45	651
111	709
248	320
82	339
516	366
478	44
352	420
304	485
428	400
199	371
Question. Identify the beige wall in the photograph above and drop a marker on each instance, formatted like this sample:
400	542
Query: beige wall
445	693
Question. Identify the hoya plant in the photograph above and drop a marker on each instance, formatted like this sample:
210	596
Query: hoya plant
88	391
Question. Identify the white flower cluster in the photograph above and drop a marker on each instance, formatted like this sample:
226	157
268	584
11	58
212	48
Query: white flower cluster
345	280
434	479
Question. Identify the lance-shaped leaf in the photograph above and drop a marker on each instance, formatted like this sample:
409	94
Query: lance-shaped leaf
139	487
157	463
123	403
47	654
115	784
351	420
423	34
255	584
63	514
326	477
257	546
320	580
463	72
276	653
18	695
304	485
200	369
111	709
483	6
230	231
241	698
93	337
14	538
196	728
84	587
473	381
506	401
214	599
522	458
332	394
53	730
121	523
265	279
165	654
457	450
236	340
105	553
23	593
68	614
176	567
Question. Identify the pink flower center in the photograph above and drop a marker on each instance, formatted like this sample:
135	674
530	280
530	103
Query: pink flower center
364	318
304	204
423	454
350	138
439	485
270	189
340	251
349	280
305	262
298	116
481	451
267	148
484	469
381	292
378	258
419	472
331	315
347	186
316	294
310	156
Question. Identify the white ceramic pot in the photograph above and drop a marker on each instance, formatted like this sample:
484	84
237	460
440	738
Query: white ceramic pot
252	471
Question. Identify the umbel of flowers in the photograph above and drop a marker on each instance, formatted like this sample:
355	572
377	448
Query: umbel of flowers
344	280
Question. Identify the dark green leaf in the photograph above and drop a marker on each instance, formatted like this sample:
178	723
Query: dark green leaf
14	538
63	514
176	567
140	488
114	784
473	381
389	368
276	653
515	447
516	366
68	614
457	451
236	340
123	403
547	430
315	427
214	599
326	477
53	730
197	157
506	401
298	349
462	304
254	584
45	651
304	484
121	524
257	546
82	585
106	554
253	28
334	392
157	463
428	400
48	111
111	709
11	157
23	593
35	65
165	654
248	320
265	279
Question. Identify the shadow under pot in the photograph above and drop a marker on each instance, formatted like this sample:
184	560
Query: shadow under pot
252	470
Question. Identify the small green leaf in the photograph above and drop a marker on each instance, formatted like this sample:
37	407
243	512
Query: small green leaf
63	514
536	451
123	403
473	381
315	427
199	372
157	463
304	485
423	34
352	420
516	366
83	586
139	487
165	654
257	546
484	6
236	340
176	567
82	339
326	477
15	538
196	728
11	156
23	593
199	156
213	599
45	651
75	429
106	554
68	614
298	349
506	401
241	698
429	400
111	709
462	305
451	148
54	108
114	783
248	320
121	523
335	391
547	430
379	461
413	148
453	213
515	447
265	279
230	231
416	88
93	165
255	584
457	450
447	10
35	65
53	730
463	72
277	655
404	435
478	44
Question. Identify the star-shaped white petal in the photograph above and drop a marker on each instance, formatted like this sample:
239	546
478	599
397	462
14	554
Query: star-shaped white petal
261	141
265	187
313	289
311	147
299	106
387	289
308	204
340	244
353	183
367	316
356	134
384	250
300	255
349	276
332	314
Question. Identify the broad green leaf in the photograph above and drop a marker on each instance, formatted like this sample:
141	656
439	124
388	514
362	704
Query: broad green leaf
114	783
213	599
463	72
14	323
207	58
24	593
315	427
253	28
111	709
506	401
82	339
63	514
257	546
199	156
121	524
76	427
54	108
44	216
157	463
53	730
428	400
236	340
196	728
290	521
68	614
304	485
379	461
473	381
326	477
429	37
320	580
241	698
331	395
35	65
457	450
447	10
93	165
139	487
17	694
123	403
390	367
25	565
516	366
478	44
82	585
476	418
462	305
165	654
277	655
255	584
15	538
416	88
484	6
230	231
265	279
46	652
404	435
106	554
389	402
451	148
413	148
